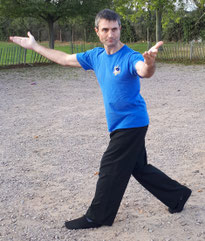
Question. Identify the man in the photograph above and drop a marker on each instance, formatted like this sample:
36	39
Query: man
118	69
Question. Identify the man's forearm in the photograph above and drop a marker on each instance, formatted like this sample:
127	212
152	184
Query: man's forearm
148	70
144	70
54	55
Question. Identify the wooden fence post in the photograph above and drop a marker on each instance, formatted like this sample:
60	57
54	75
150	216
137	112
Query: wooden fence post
71	43
25	52
191	50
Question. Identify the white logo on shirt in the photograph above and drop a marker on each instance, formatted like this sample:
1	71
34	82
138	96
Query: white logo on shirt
116	70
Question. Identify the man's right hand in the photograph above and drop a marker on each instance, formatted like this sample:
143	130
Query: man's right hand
28	43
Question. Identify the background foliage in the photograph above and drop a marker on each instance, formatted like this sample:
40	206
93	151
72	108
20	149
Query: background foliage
73	20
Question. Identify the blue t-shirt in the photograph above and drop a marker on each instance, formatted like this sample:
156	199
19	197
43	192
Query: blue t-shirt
120	85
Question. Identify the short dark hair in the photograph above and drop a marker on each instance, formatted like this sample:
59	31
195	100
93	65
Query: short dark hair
107	14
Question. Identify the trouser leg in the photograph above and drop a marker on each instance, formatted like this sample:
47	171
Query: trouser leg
167	190
116	167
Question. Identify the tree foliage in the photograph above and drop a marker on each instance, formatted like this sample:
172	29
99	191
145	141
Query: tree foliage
74	17
51	10
134	9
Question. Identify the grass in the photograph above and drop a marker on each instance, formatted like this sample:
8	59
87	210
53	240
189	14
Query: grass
139	47
180	55
66	46
7	57
5	44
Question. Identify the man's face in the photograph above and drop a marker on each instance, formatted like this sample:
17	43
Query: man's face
108	32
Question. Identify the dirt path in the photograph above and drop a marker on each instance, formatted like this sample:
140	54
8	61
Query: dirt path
53	133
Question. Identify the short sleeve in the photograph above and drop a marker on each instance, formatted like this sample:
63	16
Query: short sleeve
85	59
134	58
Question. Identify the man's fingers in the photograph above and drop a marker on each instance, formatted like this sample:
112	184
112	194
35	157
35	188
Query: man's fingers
158	44
17	40
150	53
155	48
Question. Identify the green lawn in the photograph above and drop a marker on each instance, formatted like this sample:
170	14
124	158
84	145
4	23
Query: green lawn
139	47
10	54
6	44
66	46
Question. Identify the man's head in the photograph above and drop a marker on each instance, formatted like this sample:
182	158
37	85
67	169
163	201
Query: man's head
107	14
108	27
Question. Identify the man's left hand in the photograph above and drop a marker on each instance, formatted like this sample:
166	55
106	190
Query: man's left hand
150	55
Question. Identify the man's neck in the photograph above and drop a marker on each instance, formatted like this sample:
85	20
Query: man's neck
113	49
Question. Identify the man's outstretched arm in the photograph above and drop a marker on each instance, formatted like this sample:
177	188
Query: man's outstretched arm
147	68
54	55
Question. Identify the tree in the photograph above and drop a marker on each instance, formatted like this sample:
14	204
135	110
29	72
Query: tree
187	23
20	26
50	10
86	18
147	8
199	3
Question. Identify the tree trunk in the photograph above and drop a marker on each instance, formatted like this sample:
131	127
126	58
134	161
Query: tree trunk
51	33
72	34
158	25
39	35
60	36
85	35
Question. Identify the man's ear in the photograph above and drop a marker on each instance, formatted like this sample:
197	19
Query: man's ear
96	30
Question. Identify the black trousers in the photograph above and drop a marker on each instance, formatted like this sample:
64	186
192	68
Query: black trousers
126	156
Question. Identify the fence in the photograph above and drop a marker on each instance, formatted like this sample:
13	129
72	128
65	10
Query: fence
183	52
77	48
17	56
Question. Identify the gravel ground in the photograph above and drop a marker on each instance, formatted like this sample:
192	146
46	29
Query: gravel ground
52	135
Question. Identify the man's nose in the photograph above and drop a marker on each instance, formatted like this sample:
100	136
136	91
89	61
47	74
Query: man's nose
110	33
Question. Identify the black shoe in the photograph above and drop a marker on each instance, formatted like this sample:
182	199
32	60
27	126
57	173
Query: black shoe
81	223
184	197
